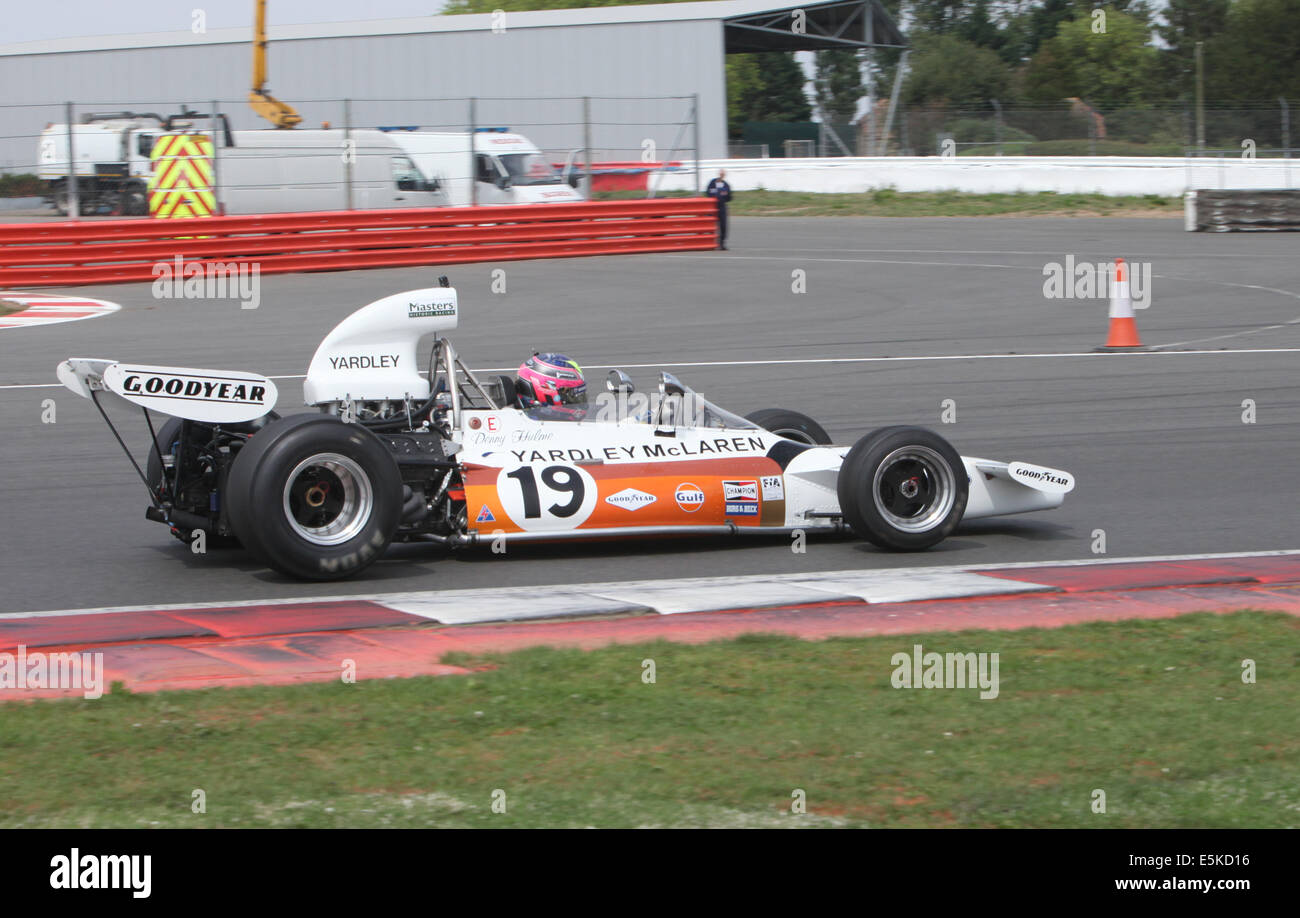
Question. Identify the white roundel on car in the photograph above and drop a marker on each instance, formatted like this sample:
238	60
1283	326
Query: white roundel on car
546	498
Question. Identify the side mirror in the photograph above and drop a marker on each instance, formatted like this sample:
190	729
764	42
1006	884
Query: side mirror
574	179
618	381
670	385
503	182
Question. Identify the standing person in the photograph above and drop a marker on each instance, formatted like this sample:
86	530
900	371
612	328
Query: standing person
720	191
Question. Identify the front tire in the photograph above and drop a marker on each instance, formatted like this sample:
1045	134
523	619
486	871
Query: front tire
315	498
792	425
903	488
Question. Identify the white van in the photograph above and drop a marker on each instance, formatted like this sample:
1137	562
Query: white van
269	172
507	168
258	172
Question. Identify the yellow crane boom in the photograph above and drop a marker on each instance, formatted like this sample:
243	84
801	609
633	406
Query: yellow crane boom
268	106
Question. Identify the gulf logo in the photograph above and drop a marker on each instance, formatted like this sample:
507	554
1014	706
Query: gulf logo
689	497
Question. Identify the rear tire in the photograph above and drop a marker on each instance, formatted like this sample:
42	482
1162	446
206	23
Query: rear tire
315	498
903	488
792	425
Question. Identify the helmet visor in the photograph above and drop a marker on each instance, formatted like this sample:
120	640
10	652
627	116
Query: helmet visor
572	395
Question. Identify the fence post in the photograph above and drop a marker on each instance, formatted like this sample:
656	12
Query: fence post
893	103
349	154
1286	140
695	136
1286	128
1200	98
473	130
70	191
218	210
997	124
586	145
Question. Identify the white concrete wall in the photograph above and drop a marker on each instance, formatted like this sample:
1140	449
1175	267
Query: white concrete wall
1111	175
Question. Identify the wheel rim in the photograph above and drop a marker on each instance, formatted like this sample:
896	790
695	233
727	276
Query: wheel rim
799	436
913	488
328	499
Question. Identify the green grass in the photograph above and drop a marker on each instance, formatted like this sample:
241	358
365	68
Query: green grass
1154	713
9	306
887	202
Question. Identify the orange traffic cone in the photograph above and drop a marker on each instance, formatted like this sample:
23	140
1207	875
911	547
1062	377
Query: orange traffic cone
1123	327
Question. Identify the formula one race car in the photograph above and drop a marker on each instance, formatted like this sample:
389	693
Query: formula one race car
393	453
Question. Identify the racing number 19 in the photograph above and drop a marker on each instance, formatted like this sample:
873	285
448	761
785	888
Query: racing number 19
571	484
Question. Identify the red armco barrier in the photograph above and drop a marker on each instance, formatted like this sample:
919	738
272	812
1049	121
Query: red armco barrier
109	251
627	175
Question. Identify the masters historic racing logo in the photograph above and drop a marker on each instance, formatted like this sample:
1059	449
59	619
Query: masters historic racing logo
430	310
741	497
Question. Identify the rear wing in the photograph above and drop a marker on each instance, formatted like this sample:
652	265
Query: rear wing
209	396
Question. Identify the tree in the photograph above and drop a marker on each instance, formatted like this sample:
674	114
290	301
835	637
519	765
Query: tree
1257	56
767	86
1185	23
838	84
1107	69
945	68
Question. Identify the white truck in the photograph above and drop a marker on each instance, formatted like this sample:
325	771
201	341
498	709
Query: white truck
112	163
507	168
264	171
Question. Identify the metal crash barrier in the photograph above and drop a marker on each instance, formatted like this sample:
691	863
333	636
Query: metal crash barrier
108	251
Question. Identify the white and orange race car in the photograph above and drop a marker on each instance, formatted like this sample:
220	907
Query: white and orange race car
393	453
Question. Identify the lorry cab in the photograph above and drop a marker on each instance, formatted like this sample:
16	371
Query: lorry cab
507	168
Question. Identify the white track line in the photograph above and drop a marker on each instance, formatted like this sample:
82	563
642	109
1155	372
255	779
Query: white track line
685	583
829	360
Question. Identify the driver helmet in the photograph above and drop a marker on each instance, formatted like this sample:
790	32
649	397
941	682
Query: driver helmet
555	380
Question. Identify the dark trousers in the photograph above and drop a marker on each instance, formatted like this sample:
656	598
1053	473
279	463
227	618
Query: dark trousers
722	223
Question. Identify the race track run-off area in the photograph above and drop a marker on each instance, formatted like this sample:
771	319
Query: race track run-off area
1186	449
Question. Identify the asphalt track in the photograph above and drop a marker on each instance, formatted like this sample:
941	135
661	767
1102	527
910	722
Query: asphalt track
1163	461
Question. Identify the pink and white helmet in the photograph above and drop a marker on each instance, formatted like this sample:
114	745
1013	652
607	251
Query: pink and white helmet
552	379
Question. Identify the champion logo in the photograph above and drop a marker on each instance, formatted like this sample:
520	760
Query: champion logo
485	516
631	499
689	497
740	490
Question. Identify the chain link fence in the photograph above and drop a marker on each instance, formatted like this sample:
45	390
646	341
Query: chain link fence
98	158
1071	128
1076	128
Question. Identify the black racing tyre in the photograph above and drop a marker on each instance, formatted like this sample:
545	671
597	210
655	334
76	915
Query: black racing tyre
315	498
792	425
903	488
